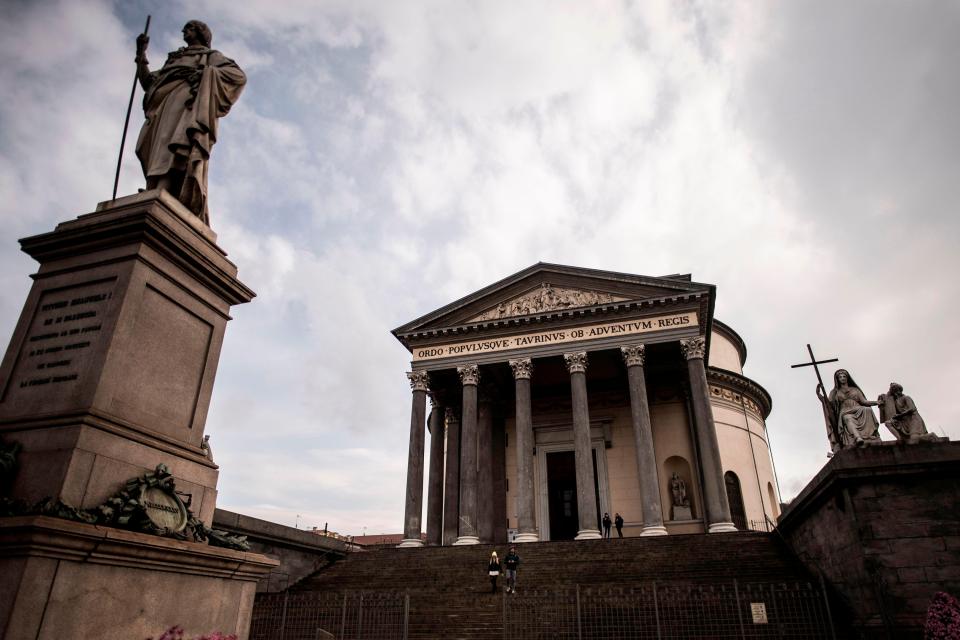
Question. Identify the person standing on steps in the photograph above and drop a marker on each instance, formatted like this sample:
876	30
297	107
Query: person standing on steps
606	526
493	568
618	523
512	563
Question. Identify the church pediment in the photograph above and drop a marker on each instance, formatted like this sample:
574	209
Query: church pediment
544	298
550	289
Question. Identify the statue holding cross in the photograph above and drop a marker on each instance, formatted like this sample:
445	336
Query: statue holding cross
847	412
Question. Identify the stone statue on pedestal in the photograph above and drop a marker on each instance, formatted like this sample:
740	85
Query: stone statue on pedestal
182	102
900	415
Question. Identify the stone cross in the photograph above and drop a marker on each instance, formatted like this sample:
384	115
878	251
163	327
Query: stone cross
832	434
814	362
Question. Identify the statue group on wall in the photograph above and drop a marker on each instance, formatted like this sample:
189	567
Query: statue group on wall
850	419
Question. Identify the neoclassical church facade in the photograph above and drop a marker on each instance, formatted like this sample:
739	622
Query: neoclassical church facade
560	393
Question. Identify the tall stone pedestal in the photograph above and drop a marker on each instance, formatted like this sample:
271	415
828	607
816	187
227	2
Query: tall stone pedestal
108	374
882	524
111	366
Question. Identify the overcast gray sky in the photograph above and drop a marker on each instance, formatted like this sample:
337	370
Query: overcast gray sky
389	157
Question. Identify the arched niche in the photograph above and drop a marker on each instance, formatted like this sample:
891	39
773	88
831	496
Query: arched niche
774	505
680	466
735	499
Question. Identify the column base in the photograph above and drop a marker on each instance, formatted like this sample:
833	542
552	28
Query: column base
588	534
409	543
527	537
657	530
722	527
466	540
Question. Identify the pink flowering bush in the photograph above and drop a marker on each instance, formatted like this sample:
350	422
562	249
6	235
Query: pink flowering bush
176	633
943	618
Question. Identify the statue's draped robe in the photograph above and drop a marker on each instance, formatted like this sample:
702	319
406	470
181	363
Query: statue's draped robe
183	100
854	420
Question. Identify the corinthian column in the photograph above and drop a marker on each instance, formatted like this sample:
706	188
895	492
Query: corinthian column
451	494
485	467
526	518
419	381
715	497
435	483
634	356
586	494
469	377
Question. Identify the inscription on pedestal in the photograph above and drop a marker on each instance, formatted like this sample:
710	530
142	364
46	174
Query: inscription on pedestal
66	325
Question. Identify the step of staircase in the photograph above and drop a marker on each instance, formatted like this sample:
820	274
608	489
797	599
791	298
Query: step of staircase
450	593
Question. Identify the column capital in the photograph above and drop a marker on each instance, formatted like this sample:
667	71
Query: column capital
469	374
576	362
634	355
419	380
522	368
449	415
693	347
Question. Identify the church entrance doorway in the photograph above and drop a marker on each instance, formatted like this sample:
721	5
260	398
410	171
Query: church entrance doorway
562	494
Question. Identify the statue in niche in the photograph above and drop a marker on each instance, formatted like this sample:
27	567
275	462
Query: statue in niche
900	415
848	412
678	494
182	102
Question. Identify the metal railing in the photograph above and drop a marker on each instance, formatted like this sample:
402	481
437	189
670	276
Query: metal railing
765	525
670	610
658	610
322	616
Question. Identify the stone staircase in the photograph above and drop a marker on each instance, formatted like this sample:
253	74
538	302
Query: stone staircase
449	588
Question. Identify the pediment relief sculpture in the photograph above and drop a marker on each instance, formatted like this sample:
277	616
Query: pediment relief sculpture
547	298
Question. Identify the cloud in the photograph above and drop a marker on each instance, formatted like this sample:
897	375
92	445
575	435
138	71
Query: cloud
387	158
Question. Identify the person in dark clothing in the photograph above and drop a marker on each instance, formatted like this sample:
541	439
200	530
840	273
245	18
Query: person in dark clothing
494	571
606	525
512	562
618	523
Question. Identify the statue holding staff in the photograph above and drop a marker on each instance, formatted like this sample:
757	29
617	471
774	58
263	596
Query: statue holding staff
182	102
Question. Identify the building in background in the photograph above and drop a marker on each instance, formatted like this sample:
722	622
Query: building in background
560	393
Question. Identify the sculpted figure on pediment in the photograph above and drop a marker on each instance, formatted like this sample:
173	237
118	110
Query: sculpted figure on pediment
547	298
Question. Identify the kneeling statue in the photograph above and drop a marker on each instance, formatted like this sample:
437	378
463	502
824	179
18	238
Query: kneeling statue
900	415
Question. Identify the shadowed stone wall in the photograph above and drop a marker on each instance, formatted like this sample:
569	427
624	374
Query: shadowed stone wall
882	524
300	552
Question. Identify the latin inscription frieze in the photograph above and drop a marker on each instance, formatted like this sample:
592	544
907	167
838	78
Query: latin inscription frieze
559	336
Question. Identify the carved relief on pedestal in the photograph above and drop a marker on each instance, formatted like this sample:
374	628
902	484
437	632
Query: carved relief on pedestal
419	380
633	355
522	368
576	362
546	298
469	374
693	347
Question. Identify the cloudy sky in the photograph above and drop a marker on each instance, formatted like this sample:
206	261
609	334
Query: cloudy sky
389	157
